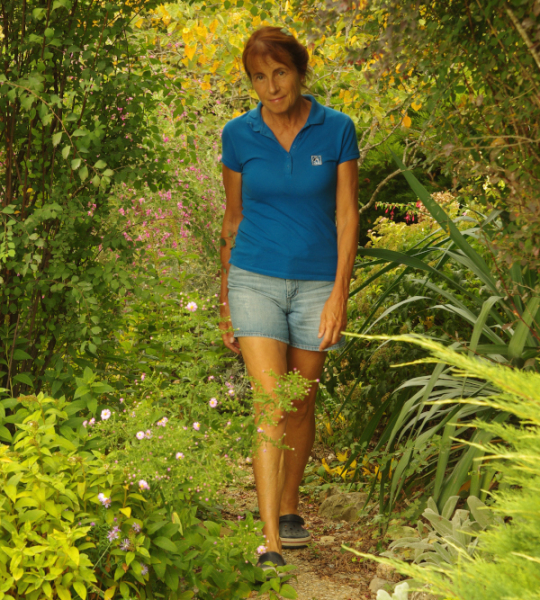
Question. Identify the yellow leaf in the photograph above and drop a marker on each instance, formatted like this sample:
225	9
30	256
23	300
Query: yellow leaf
139	23
329	470
63	593
214	67
187	35
73	553
214	25
202	32
416	105
406	121
109	593
126	511
189	51
342	456
256	21
206	86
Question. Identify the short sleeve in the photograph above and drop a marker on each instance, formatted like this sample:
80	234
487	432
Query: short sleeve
349	143
228	152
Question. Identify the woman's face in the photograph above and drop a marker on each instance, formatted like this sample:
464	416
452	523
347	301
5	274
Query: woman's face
277	85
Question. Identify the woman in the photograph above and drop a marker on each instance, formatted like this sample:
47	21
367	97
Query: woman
291	181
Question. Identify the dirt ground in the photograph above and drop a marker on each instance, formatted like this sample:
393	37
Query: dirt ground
324	570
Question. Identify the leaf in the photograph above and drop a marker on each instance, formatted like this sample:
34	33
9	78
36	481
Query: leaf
287	591
21	355
75	163
80	588
101	164
56	138
171	579
81	391
124	590
31	515
11	492
406	122
83	173
63	593
522	332
126	511
73	553
189	51
165	543
109	593
23	378
65	151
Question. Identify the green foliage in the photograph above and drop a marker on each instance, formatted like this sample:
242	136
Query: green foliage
448	534
78	115
502	328
481	69
506	562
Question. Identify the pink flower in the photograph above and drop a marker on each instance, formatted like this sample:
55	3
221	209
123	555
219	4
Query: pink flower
261	550
196	426
213	402
143	485
105	414
179	455
191	306
143	376
140	435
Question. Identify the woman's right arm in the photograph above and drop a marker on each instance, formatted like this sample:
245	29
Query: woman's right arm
232	182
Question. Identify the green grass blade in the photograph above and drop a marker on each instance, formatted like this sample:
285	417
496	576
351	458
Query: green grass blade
522	331
481	321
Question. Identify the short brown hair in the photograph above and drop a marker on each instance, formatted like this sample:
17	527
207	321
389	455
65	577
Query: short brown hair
281	47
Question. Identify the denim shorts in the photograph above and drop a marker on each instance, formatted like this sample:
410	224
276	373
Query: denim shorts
287	310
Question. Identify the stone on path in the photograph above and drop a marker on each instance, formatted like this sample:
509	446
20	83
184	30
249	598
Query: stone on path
377	584
343	507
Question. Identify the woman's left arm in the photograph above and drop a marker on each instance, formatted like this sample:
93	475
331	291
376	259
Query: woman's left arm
334	314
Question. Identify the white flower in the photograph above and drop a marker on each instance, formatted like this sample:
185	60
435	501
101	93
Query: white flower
105	414
401	592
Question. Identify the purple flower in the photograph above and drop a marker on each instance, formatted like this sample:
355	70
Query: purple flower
136	527
144	569
125	545
113	534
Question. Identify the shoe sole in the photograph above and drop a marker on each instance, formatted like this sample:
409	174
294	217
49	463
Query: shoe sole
291	543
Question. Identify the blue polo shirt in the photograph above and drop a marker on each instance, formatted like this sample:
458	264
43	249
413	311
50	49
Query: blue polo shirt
288	228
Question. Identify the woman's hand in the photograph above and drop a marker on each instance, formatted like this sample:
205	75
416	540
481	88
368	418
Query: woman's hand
226	326
333	320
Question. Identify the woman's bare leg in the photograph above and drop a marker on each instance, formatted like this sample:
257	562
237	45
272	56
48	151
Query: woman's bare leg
300	427
262	355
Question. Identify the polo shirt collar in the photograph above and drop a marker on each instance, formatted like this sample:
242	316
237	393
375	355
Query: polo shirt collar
315	117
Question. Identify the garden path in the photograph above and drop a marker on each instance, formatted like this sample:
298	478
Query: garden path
324	571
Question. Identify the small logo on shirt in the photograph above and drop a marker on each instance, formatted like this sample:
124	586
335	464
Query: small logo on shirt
316	161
